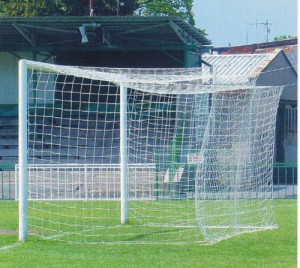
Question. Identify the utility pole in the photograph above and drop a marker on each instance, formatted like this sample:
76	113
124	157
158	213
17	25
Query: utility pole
118	7
91	8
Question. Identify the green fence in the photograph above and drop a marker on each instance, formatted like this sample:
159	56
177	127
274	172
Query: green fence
284	181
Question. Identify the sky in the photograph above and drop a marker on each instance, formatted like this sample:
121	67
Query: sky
240	22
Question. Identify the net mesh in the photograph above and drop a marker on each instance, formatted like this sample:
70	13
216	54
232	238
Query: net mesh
199	153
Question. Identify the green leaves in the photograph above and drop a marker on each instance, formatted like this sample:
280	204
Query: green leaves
283	37
29	8
181	8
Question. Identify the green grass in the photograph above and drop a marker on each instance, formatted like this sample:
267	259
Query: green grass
274	248
152	221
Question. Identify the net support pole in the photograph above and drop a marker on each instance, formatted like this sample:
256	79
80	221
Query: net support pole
123	153
23	226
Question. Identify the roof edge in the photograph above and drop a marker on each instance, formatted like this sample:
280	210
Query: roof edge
265	63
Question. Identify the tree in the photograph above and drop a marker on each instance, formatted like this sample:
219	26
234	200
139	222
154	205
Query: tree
25	8
181	8
101	7
283	37
29	8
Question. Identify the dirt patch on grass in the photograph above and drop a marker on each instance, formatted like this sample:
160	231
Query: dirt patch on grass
8	232
13	232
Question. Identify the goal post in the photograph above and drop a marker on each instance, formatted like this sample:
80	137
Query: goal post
123	153
23	225
110	155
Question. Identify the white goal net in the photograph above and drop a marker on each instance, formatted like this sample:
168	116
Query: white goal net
143	155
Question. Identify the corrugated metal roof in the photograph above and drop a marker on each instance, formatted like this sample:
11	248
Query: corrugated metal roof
123	32
236	68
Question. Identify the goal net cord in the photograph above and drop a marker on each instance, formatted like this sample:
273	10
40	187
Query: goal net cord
199	151
158	80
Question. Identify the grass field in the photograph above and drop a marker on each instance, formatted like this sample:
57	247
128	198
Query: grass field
274	248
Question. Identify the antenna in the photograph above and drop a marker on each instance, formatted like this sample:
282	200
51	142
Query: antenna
268	29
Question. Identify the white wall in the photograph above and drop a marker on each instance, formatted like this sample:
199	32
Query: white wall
9	75
280	72
8	79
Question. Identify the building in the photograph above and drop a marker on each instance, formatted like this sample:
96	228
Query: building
82	41
286	131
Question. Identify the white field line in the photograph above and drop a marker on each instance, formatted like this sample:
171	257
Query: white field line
10	246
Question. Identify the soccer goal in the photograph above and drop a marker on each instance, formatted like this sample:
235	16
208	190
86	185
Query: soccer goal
143	155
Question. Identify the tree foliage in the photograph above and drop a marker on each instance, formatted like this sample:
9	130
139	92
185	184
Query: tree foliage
181	8
29	8
24	8
283	37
